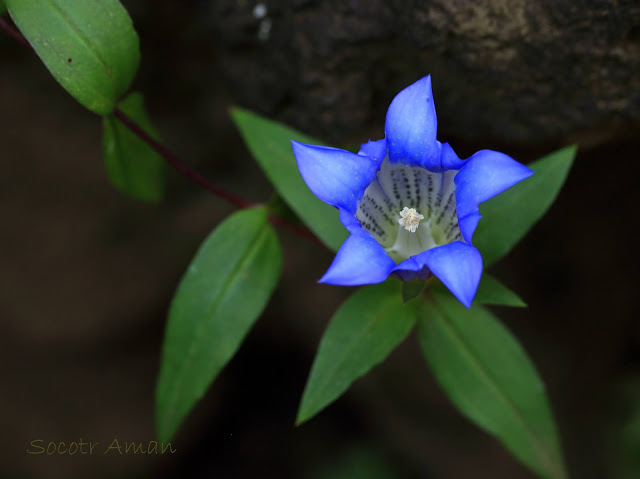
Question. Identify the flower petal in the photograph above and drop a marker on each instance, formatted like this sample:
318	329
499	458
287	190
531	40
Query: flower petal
486	174
449	160
468	225
337	177
350	222
459	266
411	126
410	269
374	149
360	259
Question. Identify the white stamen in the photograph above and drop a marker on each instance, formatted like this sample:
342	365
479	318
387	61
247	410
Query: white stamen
410	219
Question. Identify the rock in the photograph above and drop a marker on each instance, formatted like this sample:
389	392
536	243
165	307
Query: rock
514	71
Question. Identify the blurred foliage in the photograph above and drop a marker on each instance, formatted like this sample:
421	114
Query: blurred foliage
132	165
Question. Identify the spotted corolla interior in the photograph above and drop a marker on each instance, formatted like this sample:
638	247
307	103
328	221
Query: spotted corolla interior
398	186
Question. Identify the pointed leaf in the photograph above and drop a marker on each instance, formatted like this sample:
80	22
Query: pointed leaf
489	377
507	217
270	144
362	333
89	46
132	166
222	293
490	291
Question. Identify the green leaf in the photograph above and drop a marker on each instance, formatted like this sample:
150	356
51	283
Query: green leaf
412	289
3	7
357	461
270	144
360	335
132	166
490	291
507	217
489	377
222	293
89	46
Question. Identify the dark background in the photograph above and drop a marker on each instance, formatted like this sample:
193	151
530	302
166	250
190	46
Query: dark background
86	274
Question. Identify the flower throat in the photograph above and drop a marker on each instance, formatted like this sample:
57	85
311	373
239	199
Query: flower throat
409	209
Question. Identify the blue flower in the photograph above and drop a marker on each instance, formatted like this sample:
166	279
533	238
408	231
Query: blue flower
409	203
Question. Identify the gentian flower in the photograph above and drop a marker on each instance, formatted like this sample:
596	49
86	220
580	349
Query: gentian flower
409	203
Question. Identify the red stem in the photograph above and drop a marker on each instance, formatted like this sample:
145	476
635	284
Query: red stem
174	161
299	230
179	165
201	180
15	34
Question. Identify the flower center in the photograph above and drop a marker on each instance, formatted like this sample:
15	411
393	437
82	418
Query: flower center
410	219
409	209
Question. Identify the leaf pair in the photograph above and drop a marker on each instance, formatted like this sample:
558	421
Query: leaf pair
366	328
478	363
91	48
